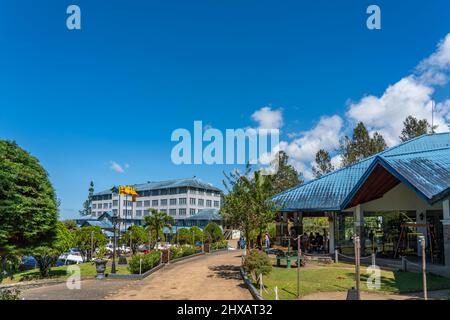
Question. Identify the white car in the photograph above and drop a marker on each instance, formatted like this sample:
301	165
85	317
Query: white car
67	259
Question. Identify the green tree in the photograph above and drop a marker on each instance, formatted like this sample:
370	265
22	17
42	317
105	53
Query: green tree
136	235
323	163
286	176
247	205
196	234
361	145
412	128
213	232
71	225
157	220
87	210
88	239
184	236
28	209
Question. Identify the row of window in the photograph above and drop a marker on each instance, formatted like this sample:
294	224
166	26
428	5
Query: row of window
181	190
155	203
145	213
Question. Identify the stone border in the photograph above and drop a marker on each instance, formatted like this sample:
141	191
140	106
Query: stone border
255	294
134	276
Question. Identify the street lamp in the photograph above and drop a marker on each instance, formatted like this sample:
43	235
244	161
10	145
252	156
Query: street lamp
114	221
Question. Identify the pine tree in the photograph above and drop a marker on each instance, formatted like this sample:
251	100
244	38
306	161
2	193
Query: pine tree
286	176
323	163
87	204
361	145
413	128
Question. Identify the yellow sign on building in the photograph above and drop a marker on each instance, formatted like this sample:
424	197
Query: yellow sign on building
128	190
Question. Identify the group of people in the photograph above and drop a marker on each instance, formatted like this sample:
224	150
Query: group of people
314	242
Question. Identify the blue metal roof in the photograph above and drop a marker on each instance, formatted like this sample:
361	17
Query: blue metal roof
101	224
423	162
174	183
206	214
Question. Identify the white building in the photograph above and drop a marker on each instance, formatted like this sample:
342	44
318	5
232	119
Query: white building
179	198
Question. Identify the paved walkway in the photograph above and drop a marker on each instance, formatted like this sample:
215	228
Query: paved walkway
91	289
433	295
215	277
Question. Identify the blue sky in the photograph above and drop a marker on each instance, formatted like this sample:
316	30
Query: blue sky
116	89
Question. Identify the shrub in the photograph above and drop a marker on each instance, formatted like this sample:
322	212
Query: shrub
256	263
9	294
149	261
176	252
189	250
219	245
213	232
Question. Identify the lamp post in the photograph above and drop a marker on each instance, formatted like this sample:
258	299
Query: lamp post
114	221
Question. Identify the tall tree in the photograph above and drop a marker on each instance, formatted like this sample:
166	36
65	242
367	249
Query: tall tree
412	128
88	239
135	236
360	145
247	205
28	210
156	221
87	210
323	163
286	176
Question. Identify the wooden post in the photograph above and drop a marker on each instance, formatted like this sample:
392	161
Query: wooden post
140	266
298	267
357	266
276	293
336	256
424	268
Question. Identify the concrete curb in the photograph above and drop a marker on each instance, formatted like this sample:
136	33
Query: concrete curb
135	276
250	285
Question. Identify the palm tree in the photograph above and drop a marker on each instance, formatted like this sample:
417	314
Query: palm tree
157	220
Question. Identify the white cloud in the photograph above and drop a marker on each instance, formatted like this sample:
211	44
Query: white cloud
117	167
412	95
268	118
302	151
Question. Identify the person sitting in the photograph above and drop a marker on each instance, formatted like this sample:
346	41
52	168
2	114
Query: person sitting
319	241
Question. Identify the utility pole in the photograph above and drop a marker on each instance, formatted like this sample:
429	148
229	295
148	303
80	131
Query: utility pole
357	266
92	244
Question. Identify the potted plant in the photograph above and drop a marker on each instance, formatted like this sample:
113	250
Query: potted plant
100	262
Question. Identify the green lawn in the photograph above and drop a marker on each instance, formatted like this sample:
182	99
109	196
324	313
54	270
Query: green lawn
87	271
341	277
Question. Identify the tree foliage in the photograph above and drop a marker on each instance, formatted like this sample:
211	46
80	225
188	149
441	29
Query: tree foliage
247	205
213	232
87	203
88	239
156	221
361	145
323	164
412	128
286	176
136	235
28	207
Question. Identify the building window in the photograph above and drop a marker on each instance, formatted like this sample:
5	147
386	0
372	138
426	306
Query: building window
99	206
115	203
192	201
173	202
208	203
216	204
146	213
163	202
201	202
139	204
94	206
208	193
147	203
163	211
173	191
154	203
139	213
191	211
163	192
110	205
182	201
182	190
182	212
114	212
173	212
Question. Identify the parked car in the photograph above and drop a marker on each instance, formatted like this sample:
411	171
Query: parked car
28	263
67	259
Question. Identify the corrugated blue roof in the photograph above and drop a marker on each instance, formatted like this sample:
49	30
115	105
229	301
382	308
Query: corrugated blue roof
102	224
206	214
418	159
